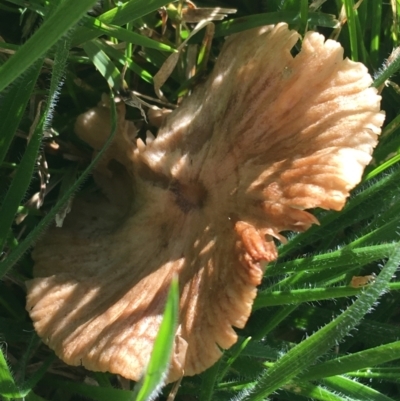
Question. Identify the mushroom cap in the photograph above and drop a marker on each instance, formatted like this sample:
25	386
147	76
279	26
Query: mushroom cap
266	137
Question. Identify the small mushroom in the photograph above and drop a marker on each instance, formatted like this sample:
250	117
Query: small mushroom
266	137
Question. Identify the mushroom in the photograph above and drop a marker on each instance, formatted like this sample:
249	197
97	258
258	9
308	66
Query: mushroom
266	137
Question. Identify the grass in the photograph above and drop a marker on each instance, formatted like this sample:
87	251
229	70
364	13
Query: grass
311	335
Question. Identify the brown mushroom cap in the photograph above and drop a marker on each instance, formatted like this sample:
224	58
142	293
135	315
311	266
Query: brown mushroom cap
266	137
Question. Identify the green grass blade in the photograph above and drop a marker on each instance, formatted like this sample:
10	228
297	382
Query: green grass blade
305	353
12	106
384	166
237	350
388	374
351	23
20	367
376	13
103	63
23	246
125	35
303	15
274	320
275	298
382	233
383	332
32	5
58	73
156	372
209	379
20	182
65	17
390	67
360	360
8	387
27	387
25	169
324	268
356	391
347	256
120	15
123	60
314	392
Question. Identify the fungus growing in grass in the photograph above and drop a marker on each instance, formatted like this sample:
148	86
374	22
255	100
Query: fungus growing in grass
266	137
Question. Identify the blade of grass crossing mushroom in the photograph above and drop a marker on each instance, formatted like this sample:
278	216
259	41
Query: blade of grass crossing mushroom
305	353
64	18
16	253
156	373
